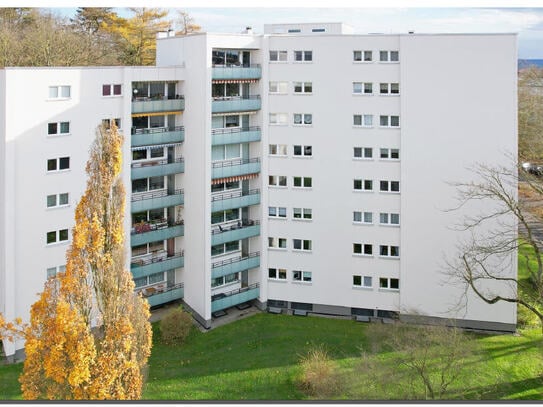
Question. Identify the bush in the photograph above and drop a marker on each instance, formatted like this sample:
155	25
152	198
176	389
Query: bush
319	374
175	326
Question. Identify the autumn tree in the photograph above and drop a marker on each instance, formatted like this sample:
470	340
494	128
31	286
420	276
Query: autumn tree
185	23
89	335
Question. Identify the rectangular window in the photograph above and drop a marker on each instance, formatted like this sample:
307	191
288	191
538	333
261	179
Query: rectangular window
300	244
389	88
278	56
389	251
389	121
389	153
298	275
111	90
57	236
59	92
389	283
359	56
389	218
277	242
363	217
58	164
362	152
277	180
277	274
302	213
365	88
362	281
277	212
302	182
57	200
59	128
303	56
278	118
279	88
303	119
389	186
363	120
365	249
303	87
278	149
389	56
303	151
363	184
107	123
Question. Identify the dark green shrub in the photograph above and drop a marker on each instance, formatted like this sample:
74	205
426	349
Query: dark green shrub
175	326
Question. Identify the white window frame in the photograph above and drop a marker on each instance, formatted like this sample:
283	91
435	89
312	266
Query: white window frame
366	120
275	180
302	214
60	89
363	185
391	89
385	219
303	151
305	54
278	88
59	129
388	281
364	216
107	123
306	245
281	57
52	272
363	248
148	156
386	251
57	169
385	154
363	56
303	86
363	281
57	200
366	153
389	186
302	276
306	119
278	271
388	56
278	119
280	150
303	181
366	88
276	243
277	212
57	237
112	90
389	119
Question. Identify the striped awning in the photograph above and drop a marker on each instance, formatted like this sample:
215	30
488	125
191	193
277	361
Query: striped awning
155	146
234	113
214	81
233	179
156	113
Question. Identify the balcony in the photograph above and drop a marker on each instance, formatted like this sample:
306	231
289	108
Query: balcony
153	231
235	135
247	229
156	264
157	104
231	168
156	199
236	72
235	265
157	168
234	200
157	135
169	294
230	104
235	297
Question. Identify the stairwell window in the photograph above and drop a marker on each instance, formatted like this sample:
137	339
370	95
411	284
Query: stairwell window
60	92
58	128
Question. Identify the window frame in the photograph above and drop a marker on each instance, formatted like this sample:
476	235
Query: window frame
278	272
280	53
303	119
57	236
112	87
303	88
306	56
302	276
363	120
302	214
277	181
59	131
363	218
59	91
302	181
363	153
363	281
303	149
57	200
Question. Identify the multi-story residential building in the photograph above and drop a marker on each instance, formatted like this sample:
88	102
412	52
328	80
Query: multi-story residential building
307	169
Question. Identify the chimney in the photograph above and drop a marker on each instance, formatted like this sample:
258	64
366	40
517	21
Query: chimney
248	30
171	32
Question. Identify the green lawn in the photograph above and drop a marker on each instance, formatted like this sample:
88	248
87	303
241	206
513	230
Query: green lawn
256	359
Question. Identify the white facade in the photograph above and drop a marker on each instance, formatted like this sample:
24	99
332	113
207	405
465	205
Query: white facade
333	113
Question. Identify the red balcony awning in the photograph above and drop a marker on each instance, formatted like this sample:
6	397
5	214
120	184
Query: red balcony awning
233	179
234	81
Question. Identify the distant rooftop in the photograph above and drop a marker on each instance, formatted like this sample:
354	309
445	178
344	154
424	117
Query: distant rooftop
308	28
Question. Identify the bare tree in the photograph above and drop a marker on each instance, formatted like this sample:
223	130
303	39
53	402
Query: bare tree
185	23
530	114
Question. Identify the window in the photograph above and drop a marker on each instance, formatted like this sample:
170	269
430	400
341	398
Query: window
303	87
278	149
300	244
389	283
58	164
303	119
149	280
365	56
303	151
279	87
389	56
148	184
278	118
230	278
148	153
362	152
304	276
107	123
57	200
228	215
294	30
277	180
363	120
302	213
389	218
363	217
389	186
225	186
303	56
363	185
278	56
360	88
225	152
277	212
389	88
228	247
389	251
390	153
277	243
362	281
59	92
57	236
59	128
363	249
53	271
277	274
111	90
389	121
318	30
302	182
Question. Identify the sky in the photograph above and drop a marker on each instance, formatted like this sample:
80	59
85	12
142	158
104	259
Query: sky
392	16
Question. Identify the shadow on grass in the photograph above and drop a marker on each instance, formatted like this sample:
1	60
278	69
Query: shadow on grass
529	389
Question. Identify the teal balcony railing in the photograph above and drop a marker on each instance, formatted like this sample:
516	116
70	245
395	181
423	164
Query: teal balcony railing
236	72
157	135
235	265
234	200
157	168
236	104
231	168
169	294
157	104
235	297
152	265
156	199
245	230
235	135
151	232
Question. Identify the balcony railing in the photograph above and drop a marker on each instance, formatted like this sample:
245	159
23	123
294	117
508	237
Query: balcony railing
157	168
234	200
235	104
156	264
231	168
243	230
235	265
234	297
158	104
146	232
157	135
169	294
236	72
156	199
235	135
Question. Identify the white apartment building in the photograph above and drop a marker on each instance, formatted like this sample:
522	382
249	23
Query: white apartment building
307	169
